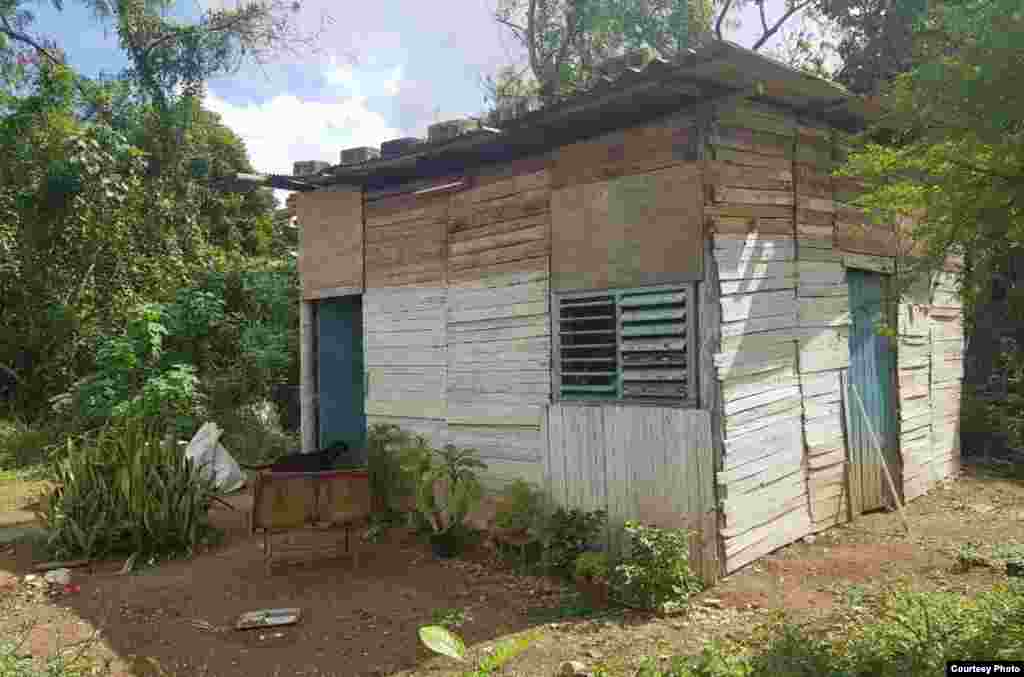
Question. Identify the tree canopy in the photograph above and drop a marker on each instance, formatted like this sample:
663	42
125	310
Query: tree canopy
954	139
105	200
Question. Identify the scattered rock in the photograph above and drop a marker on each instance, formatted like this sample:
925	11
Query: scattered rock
983	508
572	669
34	581
58	577
712	602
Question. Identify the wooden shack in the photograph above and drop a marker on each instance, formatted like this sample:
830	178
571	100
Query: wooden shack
652	298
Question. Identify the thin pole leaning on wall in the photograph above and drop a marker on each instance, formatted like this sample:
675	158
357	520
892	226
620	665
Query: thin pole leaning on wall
307	380
881	456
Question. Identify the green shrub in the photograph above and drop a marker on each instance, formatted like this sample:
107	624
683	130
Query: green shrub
447	486
716	660
918	632
657	574
22	445
16	661
394	455
913	634
126	491
592	566
569	533
522	507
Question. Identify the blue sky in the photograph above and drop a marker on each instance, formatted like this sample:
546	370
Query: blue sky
382	69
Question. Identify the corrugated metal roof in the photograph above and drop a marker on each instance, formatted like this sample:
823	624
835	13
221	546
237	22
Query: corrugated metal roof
632	97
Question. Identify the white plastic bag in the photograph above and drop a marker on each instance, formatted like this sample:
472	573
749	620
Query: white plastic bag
213	460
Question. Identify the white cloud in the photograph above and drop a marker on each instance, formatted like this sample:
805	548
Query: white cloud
341	75
393	84
286	129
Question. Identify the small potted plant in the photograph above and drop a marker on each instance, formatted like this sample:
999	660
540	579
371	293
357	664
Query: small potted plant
447	489
591	573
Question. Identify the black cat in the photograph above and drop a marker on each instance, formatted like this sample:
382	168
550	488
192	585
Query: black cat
317	461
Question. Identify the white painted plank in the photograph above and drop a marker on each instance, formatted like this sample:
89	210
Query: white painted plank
824	312
827	349
759	324
819	383
742	306
768	538
758	444
736	406
758	284
821	272
735	269
760	341
737	388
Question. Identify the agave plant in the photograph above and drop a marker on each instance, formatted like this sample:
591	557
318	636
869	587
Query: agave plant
126	491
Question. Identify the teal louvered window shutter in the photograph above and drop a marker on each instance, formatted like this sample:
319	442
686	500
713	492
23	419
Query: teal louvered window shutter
627	345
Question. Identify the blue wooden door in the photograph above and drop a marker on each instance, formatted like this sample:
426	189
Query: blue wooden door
872	374
340	379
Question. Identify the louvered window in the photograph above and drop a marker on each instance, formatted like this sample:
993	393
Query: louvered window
635	344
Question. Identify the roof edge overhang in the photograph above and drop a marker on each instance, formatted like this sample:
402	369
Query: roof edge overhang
720	74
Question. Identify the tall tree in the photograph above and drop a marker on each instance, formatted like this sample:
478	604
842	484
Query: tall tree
956	138
876	39
566	40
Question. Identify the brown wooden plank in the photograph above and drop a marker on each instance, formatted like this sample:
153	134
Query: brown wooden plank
503	209
814	218
813	182
382	234
534	233
805	230
752	210
752	196
499	255
632	151
753	141
499	228
637	230
737	176
738	225
331	240
487	271
739	157
498	186
406	207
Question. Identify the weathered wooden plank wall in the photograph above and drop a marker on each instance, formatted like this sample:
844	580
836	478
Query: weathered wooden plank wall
628	209
947	348
913	363
825	326
653	464
498	321
404	310
331	246
749	206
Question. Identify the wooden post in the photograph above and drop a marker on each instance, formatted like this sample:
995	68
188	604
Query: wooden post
307	380
881	457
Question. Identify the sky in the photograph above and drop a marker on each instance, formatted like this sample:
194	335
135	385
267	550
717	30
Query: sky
382	69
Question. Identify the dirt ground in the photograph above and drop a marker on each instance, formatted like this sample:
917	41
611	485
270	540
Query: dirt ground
362	619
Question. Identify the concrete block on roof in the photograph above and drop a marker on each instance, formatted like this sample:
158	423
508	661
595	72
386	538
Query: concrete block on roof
307	167
445	131
352	156
396	147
